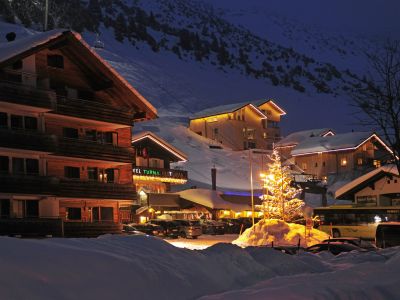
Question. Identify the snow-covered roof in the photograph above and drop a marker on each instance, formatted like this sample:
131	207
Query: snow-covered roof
223	109
28	45
299	136
211	199
338	142
155	138
348	190
10	49
260	102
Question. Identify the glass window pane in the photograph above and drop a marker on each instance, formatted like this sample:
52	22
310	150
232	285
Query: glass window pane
31	123
106	213
74	213
70	132
32	209
72	172
3	120
16	122
18	165
32	166
92	174
4	164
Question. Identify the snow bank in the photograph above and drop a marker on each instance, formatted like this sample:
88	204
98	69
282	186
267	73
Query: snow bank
281	233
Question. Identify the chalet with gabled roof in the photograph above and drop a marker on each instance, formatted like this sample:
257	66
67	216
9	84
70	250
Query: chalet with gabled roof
65	135
240	126
350	153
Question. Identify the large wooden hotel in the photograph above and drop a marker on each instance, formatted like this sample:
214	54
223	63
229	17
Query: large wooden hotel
65	136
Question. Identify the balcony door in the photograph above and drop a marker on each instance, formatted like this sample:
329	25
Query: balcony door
4	208
102	214
27	208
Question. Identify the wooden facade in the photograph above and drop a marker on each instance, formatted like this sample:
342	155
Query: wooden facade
65	133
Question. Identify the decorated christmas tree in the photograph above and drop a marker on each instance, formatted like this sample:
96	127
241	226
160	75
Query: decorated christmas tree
279	198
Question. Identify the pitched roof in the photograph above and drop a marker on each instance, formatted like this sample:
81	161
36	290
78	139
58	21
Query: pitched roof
299	136
223	109
211	199
348	190
338	142
230	108
155	138
26	46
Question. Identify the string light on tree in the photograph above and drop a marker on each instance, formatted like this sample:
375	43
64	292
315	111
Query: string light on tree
278	200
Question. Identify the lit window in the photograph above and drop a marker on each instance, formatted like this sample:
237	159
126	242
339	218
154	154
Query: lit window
304	166
359	161
264	135
343	161
377	163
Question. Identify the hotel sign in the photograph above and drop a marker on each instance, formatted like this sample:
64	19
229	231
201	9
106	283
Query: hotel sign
166	175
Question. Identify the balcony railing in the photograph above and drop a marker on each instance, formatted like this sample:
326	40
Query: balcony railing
92	110
91	149
43	185
158	174
27	140
18	93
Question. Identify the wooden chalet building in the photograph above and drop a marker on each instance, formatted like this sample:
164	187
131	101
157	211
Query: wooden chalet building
240	126
65	135
380	187
351	153
152	173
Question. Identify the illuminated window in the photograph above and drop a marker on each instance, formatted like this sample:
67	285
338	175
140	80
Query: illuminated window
377	163
304	166
264	135
343	161
364	147
359	161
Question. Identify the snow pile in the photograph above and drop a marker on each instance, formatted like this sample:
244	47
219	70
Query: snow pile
281	233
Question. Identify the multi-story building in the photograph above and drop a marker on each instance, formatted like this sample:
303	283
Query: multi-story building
347	153
152	172
240	126
65	139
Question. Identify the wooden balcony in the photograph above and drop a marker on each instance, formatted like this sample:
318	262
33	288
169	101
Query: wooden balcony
96	190
85	229
93	110
42	185
27	140
14	92
158	174
32	227
94	150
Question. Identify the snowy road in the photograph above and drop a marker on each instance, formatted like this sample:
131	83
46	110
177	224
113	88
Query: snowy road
203	241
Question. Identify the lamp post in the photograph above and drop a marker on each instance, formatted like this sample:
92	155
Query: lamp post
251	187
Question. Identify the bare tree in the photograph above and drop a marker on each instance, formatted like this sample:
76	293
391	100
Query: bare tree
378	97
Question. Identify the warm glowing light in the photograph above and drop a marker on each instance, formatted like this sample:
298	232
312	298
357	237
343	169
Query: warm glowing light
160	179
143	219
377	219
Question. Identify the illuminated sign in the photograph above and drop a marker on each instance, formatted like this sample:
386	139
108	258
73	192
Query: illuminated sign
163	175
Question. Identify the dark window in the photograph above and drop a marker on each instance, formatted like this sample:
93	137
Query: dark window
55	61
323	164
85	95
106	213
32	208
17	65
110	175
91	135
316	165
32	166
17	122
95	214
18	165
4	164
59	88
31	123
4	208
70	133
74	213
92	174
108	137
3	120
72	172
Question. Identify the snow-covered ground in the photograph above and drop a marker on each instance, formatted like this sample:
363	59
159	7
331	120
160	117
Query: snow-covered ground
141	267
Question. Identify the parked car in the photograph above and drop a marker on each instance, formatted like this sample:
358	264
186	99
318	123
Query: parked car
189	228
231	225
131	230
169	228
334	247
149	229
212	227
354	241
387	235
